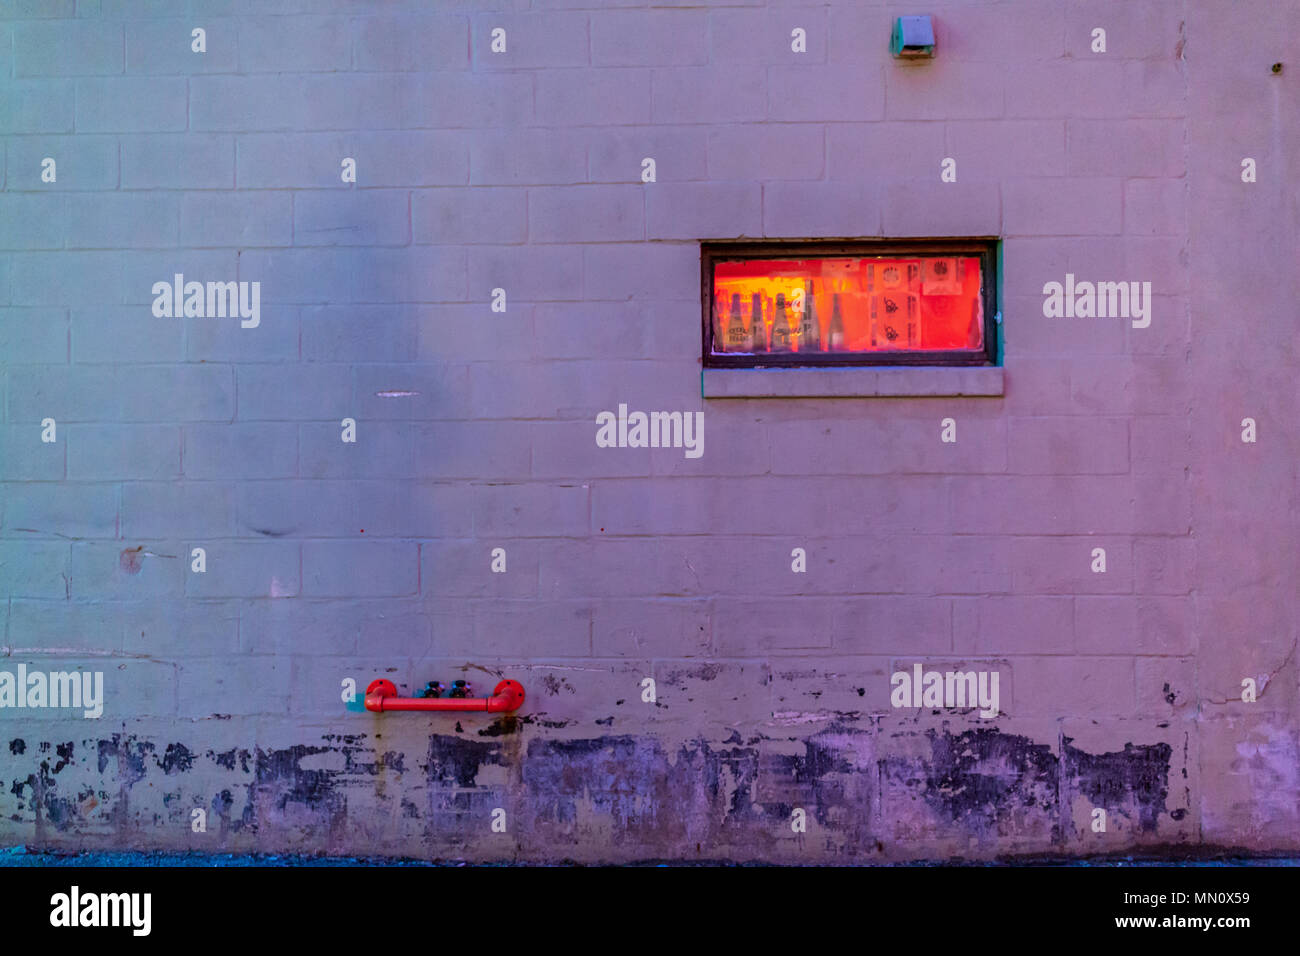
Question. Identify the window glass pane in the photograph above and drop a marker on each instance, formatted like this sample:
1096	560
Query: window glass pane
847	304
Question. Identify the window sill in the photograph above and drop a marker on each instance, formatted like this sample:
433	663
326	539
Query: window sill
915	380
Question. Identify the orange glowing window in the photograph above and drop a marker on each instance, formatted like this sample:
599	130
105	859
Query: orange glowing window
867	304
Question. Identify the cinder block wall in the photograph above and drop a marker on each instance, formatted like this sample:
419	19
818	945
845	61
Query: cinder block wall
475	430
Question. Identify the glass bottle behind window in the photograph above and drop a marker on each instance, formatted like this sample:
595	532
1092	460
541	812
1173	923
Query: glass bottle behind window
835	334
781	330
913	317
758	331
737	336
810	333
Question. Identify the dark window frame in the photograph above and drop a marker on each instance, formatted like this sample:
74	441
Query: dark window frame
986	248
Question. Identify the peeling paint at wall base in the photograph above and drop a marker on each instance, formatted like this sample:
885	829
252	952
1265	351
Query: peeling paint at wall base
871	791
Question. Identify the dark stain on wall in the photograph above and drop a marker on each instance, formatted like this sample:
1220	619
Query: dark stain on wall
280	780
129	756
501	726
39	793
226	760
64	753
695	794
699	797
1134	780
455	762
981	776
176	759
983	780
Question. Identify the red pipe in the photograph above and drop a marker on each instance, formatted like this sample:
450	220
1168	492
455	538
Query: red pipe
508	696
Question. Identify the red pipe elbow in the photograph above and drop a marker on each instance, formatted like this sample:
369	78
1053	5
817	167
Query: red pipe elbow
507	697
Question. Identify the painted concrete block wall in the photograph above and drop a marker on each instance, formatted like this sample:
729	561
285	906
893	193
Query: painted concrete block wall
475	431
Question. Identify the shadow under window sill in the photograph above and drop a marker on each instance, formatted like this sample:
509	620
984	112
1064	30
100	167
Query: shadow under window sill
857	382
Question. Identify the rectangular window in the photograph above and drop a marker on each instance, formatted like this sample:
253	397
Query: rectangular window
909	302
